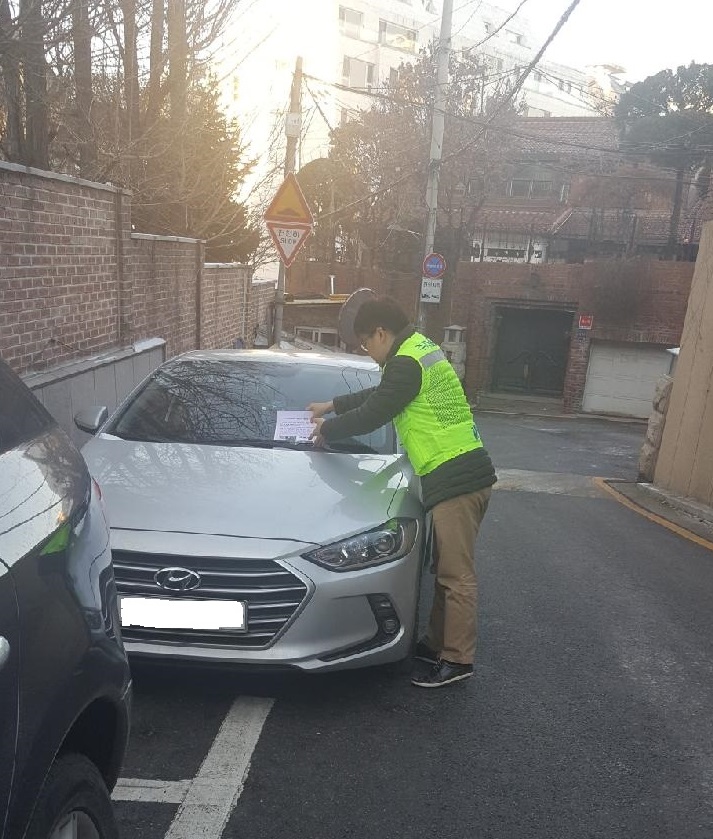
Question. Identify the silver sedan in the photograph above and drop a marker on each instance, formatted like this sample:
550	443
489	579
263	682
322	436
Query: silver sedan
236	542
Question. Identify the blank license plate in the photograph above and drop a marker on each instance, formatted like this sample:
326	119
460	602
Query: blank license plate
159	613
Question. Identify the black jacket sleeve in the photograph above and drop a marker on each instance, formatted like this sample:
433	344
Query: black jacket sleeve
400	384
350	401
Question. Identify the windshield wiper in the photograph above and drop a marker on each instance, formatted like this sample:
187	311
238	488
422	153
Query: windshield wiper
266	444
349	447
144	438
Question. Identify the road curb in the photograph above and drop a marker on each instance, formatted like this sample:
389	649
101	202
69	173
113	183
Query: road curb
630	495
623	420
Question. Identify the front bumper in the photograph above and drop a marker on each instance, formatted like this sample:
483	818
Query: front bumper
343	620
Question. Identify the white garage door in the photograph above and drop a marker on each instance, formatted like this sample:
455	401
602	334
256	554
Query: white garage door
621	378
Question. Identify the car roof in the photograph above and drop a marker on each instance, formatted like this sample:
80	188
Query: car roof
359	362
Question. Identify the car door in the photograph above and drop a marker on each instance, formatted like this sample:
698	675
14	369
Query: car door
26	513
9	688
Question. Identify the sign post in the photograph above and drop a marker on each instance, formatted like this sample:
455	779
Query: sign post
289	220
434	267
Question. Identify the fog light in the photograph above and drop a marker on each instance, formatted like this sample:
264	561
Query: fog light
385	614
390	626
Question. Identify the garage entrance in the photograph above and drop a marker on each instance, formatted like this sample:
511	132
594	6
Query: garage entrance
622	378
531	351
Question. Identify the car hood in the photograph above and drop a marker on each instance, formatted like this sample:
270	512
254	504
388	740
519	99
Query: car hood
307	496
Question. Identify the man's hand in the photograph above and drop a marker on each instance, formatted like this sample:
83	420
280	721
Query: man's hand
319	409
316	435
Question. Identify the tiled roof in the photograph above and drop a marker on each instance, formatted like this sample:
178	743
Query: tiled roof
595	138
537	221
583	222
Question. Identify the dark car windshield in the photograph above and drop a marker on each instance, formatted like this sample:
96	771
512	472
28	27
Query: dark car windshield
235	402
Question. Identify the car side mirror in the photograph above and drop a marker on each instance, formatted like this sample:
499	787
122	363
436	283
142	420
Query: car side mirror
91	419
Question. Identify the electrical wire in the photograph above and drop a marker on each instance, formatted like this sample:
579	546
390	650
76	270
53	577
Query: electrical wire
505	102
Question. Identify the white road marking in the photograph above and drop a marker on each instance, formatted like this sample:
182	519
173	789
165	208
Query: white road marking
214	792
159	792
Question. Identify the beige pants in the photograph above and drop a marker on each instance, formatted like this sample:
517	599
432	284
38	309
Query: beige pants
453	624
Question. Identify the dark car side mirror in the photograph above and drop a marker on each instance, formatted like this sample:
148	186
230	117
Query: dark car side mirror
91	419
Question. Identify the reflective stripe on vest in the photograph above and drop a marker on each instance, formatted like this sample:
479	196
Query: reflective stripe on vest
438	424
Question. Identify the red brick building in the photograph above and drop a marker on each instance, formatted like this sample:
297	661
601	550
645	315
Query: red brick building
524	332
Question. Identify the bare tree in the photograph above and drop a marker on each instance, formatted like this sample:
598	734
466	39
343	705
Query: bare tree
32	29
83	95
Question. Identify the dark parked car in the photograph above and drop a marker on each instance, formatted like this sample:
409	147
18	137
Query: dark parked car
64	677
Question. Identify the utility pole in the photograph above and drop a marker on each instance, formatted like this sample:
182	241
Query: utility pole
293	128
437	129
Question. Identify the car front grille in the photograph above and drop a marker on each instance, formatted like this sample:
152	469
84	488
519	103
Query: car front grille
271	593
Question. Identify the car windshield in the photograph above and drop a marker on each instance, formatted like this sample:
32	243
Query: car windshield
235	402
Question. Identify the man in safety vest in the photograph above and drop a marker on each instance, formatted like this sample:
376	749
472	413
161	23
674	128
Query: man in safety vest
421	393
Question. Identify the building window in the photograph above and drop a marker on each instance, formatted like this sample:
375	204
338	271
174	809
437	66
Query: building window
537	76
350	22
398	37
530	189
519	189
347	115
358	74
318	335
538	112
540	189
513	37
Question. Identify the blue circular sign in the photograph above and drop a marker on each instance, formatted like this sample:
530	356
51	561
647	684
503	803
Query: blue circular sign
434	266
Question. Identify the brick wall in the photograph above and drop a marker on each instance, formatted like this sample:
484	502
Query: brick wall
75	282
162	300
632	302
59	284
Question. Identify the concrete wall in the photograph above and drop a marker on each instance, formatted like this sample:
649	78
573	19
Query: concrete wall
99	380
685	464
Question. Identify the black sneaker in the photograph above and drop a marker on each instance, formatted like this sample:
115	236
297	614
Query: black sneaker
443	673
424	653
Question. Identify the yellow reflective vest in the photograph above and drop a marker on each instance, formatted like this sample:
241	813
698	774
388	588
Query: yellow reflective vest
438	424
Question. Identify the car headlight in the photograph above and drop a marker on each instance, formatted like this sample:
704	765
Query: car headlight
386	543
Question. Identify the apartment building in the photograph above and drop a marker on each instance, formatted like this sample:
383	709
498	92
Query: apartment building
351	47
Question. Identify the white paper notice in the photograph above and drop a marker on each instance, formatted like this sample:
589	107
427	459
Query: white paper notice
295	426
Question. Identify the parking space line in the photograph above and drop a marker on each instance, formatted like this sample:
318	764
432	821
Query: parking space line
215	790
157	792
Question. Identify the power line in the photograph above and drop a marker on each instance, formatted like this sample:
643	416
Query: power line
499	28
506	101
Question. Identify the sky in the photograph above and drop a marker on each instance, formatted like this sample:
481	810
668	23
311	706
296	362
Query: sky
643	36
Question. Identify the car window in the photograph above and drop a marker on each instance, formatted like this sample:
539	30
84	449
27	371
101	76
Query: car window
22	417
223	402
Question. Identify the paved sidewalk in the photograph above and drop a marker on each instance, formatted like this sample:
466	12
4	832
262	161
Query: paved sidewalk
516	404
684	512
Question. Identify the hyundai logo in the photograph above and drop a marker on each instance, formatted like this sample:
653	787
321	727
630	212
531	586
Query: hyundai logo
177	579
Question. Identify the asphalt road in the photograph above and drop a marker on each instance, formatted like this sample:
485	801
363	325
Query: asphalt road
590	714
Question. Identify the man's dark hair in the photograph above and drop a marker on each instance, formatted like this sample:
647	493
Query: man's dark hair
383	312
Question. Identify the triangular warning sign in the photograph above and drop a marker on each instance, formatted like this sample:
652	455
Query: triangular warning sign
289	204
288	239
